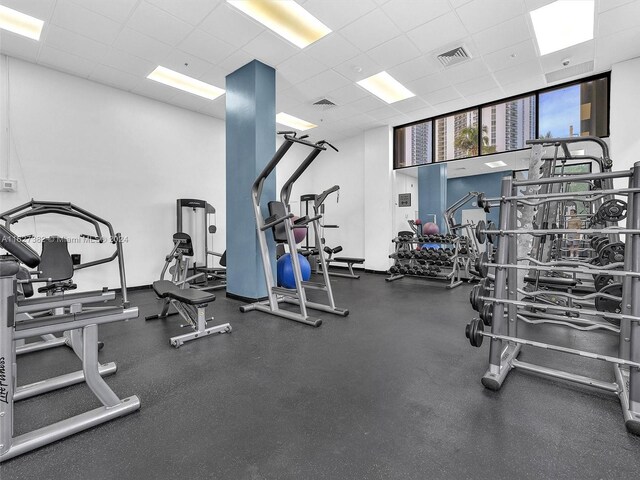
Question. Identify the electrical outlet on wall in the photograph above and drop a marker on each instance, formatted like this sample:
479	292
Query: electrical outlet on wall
8	185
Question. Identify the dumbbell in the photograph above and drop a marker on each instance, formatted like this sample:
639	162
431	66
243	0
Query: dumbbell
394	270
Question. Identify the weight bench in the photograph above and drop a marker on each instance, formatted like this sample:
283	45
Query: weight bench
350	261
191	304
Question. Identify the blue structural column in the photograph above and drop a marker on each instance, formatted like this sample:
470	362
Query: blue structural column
432	193
250	143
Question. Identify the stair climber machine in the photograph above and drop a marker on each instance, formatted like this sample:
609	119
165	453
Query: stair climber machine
281	224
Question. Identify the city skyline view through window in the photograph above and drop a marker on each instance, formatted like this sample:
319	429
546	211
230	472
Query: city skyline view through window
578	109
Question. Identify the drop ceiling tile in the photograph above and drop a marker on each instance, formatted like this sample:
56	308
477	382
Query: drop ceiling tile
485	97
194	67
531	5
438	32
214	75
140	45
398	120
517	73
526	85
481	14
616	48
410	105
158	24
65	61
77	19
335	14
408	14
18	46
367	104
205	46
618	19
508	57
428	84
395	51
128	63
281	83
582	52
231	25
476	85
323	83
605	5
193	12
414	69
115	78
443	95
300	67
465	71
270	48
118	10
370	30
40	9
511	32
347	94
341	112
234	61
453	105
358	68
383	113
458	3
332	50
62	39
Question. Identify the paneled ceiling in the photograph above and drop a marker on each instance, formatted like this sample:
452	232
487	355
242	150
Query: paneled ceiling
119	42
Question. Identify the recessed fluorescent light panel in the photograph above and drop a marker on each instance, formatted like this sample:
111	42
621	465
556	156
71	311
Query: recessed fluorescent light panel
183	82
497	164
384	86
286	18
293	122
20	23
562	24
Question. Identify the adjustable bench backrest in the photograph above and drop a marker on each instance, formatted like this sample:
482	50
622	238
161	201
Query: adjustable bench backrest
56	262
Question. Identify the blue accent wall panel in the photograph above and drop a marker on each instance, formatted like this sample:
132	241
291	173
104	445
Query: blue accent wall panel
489	184
250	144
432	193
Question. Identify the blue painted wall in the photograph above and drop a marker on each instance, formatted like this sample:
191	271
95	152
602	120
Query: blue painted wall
432	193
250	143
489	184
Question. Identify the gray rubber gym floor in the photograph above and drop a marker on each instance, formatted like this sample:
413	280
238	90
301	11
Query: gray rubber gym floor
390	392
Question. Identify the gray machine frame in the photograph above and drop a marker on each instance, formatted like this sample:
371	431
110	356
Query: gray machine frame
12	329
275	294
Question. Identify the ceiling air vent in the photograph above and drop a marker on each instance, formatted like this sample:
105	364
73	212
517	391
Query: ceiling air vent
567	72
324	104
453	57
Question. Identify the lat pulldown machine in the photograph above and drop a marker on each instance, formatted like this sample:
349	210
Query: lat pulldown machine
281	223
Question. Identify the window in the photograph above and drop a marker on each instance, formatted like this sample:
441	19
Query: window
576	110
507	126
457	136
412	145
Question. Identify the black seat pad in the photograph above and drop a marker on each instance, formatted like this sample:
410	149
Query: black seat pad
348	259
56	262
191	296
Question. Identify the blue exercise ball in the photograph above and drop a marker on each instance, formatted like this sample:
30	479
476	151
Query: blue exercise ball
286	278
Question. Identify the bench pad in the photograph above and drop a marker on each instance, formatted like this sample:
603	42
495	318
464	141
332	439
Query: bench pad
348	260
191	296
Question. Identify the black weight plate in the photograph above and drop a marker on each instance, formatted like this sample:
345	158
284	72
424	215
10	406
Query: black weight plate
491	236
473	294
486	314
612	253
608	305
482	261
602	281
480	235
613	210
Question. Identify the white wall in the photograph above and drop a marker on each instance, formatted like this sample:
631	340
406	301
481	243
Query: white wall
624	108
121	156
404	184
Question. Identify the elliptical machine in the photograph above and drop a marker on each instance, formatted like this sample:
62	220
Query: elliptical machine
281	223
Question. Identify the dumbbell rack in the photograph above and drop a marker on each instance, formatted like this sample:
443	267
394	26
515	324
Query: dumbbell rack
505	305
436	264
